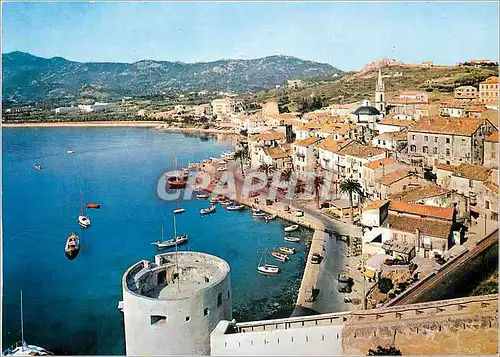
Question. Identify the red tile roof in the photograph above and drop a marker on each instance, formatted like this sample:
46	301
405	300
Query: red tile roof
393	177
491	80
450	126
493	137
422	210
375	204
376	164
359	150
429	227
468	171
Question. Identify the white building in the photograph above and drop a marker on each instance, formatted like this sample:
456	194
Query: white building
171	305
96	107
66	110
304	159
223	107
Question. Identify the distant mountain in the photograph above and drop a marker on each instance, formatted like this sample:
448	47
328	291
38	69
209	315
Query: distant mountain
31	78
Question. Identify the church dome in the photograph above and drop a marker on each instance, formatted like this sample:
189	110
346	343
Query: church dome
366	110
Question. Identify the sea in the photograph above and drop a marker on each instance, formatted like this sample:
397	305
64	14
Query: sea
71	306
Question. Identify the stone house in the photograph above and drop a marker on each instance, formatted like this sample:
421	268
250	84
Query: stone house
395	182
375	169
466	93
488	91
304	154
394	141
491	150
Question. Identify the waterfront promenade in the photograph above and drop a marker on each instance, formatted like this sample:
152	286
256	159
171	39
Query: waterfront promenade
322	277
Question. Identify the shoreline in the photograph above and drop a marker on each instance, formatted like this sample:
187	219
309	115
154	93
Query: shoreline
80	124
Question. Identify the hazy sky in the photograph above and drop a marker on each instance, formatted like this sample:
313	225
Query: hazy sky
346	35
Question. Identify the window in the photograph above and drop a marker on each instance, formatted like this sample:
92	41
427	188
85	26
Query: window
205	312
228	294
413	137
487	204
447	140
447	151
413	148
435	139
470	184
187	318
425	149
426	138
434	150
493	154
219	300
158	319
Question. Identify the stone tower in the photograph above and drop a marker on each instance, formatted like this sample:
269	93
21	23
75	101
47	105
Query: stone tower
380	93
170	306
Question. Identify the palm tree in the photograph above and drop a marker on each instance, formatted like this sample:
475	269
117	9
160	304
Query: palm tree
241	155
318	183
300	186
350	187
286	174
266	168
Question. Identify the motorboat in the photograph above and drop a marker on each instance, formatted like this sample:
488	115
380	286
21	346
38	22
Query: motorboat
268	269
72	247
292	239
226	202
281	257
93	205
70	152
179	210
222	162
201	196
21	348
222	169
37	167
258	213
291	228
287	250
177	184
83	220
235	207
271	217
210	209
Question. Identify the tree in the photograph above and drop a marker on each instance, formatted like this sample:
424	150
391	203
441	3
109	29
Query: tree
318	183
351	187
266	168
286	174
241	155
381	351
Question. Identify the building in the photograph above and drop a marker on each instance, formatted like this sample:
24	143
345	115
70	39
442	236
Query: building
395	182
278	157
171	305
203	110
295	84
406	102
304	154
466	93
435	140
488	91
376	169
355	155
66	110
453	109
223	107
257	143
428	63
270	109
380	93
390	124
412	95
393	141
366	118
96	107
491	150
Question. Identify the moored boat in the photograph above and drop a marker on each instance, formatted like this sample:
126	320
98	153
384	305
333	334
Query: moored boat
281	257
172	242
235	207
222	169
72	247
177	184
226	202
210	209
70	152
287	250
271	217
291	228
201	196
93	205
83	220
179	210
268	269
258	213
291	239
37	167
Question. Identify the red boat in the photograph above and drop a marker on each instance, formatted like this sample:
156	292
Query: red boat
175	184
94	205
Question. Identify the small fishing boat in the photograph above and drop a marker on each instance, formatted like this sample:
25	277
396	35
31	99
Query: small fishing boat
281	257
93	205
70	152
258	213
177	184
235	207
268	269
201	196
291	228
83	220
72	247
178	210
21	348
287	250
222	162
171	242
222	169
226	202
37	167
210	209
292	239
271	217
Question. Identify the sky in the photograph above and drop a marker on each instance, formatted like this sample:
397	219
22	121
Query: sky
346	35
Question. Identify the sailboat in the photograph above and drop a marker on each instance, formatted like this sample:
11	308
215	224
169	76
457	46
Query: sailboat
83	220
267	269
177	240
178	210
72	247
176	179
21	348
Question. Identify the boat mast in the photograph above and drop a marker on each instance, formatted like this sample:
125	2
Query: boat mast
22	323
162	240
81	202
176	257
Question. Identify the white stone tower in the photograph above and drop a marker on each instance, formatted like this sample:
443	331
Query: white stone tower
171	306
380	93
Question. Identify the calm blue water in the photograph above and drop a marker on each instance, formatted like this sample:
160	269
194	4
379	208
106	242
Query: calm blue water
70	307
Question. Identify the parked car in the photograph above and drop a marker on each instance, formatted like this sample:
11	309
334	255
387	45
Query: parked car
316	258
344	284
310	294
299	213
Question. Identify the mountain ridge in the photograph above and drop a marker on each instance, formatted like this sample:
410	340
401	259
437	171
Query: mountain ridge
27	77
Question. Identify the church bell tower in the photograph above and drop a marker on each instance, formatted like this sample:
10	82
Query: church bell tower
380	93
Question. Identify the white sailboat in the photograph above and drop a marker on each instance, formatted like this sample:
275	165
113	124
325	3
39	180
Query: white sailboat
83	220
178	210
177	240
21	348
267	269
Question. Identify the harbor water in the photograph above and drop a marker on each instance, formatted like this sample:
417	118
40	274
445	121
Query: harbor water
70	307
